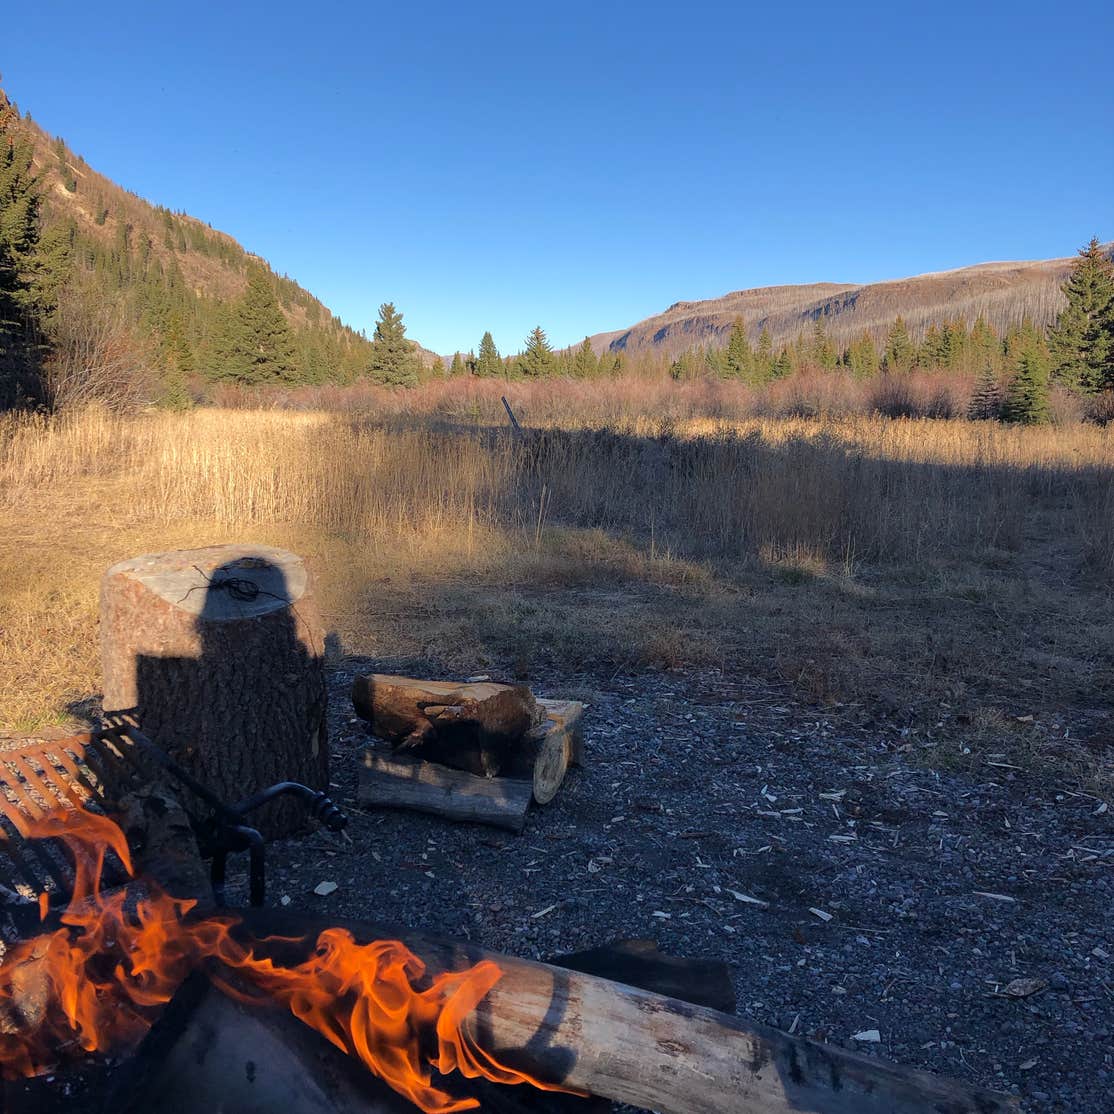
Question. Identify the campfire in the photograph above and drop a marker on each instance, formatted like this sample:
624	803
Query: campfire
101	978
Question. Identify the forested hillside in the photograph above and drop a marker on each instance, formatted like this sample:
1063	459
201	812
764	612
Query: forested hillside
162	305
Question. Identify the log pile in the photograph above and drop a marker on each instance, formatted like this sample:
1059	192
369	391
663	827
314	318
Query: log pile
477	751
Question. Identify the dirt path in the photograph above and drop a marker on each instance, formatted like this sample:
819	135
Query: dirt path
896	898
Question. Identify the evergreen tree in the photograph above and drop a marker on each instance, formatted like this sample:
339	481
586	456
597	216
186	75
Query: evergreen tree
984	344
899	354
955	342
688	365
862	357
537	360
256	346
394	360
783	365
986	399
764	357
1082	340
457	366
821	351
932	347
32	266
584	364
489	363
1026	401
738	362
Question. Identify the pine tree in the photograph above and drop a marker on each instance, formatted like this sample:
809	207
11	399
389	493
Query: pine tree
1082	340
932	347
764	357
899	354
1026	401
821	351
256	346
783	365
738	359
584	363
688	365
537	360
984	345
862	357
32	266
986	399
457	366
394	361
489	364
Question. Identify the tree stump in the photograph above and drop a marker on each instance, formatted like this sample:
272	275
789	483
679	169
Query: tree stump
219	652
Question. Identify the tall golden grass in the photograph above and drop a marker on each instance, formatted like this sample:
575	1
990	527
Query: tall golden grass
884	491
941	564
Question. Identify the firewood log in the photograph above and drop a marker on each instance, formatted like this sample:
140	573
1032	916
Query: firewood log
653	1052
472	726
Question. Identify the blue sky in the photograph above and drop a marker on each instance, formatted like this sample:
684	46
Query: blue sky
583	165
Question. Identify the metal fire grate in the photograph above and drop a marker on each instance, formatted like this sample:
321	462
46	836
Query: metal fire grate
94	770
40	777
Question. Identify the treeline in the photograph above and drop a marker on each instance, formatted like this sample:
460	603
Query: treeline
1014	373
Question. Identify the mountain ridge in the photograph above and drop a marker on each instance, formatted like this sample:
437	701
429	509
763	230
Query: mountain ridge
1004	292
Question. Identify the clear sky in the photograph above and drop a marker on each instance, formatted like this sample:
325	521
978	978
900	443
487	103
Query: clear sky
584	165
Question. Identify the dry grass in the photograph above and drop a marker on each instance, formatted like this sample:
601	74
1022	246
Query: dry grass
921	572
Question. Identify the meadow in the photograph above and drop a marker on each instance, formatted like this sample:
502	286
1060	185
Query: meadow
947	581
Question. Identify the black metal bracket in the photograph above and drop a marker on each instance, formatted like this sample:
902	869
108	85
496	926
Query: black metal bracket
224	831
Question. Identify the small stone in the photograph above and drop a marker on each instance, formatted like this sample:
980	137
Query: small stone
323	889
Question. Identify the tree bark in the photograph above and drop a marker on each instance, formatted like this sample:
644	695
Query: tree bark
219	652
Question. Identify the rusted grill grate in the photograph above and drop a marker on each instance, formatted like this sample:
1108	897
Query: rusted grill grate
40	777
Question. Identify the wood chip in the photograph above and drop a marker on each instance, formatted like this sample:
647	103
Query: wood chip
868	1036
994	897
1023	988
323	889
821	914
543	912
747	899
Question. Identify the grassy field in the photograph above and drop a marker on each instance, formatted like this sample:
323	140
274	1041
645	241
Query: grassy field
944	580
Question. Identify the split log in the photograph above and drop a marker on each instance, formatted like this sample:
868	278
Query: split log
473	726
399	781
219	653
633	1046
548	750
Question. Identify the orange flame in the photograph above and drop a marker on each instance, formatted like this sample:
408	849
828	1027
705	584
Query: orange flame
97	982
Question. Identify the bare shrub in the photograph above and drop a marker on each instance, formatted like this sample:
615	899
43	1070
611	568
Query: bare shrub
95	357
1100	408
1067	408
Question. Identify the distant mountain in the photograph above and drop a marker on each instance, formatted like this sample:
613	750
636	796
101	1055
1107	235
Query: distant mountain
1004	293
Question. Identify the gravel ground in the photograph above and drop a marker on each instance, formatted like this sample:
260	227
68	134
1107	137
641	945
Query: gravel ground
899	898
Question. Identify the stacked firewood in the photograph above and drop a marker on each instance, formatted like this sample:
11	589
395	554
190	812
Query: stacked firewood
477	750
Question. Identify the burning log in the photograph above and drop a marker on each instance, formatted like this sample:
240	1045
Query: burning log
474	726
219	651
406	1004
600	1037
